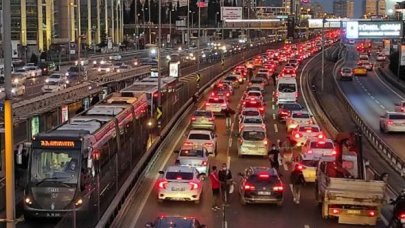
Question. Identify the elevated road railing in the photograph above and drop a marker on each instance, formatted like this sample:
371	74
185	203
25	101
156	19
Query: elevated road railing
47	102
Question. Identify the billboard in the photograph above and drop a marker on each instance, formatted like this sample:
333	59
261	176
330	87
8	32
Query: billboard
317	23
373	29
174	69
231	13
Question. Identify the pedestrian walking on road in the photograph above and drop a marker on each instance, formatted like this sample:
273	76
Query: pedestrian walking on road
274	77
297	180
225	178
228	112
274	157
215	186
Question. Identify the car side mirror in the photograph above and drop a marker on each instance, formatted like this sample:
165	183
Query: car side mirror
161	172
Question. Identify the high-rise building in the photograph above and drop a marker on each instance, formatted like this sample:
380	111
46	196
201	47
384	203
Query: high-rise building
374	8
343	8
62	21
317	10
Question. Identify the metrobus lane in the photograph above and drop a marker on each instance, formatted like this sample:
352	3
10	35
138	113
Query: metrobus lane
144	207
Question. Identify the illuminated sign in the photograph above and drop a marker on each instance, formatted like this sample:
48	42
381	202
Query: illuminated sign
57	143
231	13
64	113
329	23
34	125
373	29
174	69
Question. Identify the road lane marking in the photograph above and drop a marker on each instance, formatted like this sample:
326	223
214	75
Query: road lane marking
275	128
274	116
388	87
306	226
382	106
273	107
285	166
155	177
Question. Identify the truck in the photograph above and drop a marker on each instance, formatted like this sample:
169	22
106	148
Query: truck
341	186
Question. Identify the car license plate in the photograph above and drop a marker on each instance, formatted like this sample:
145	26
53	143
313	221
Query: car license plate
264	193
354	212
54	214
177	189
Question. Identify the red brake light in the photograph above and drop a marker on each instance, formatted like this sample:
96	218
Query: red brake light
193	185
308	131
335	211
162	184
333	152
227	94
278	188
208	144
248	187
193	118
321	136
309	152
212	94
204	163
321	142
265	142
371	213
402	216
297	135
188	143
389	122
211	119
264	176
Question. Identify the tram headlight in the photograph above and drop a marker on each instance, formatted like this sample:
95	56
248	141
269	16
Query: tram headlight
78	202
28	200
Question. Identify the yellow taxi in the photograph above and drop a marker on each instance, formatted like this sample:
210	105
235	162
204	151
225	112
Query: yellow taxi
360	71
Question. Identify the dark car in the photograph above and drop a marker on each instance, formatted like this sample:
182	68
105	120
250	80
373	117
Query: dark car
261	185
285	109
47	68
169	222
222	89
75	73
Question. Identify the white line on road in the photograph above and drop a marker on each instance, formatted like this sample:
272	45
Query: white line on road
274	116
382	106
388	87
275	128
166	159
306	226
272	106
285	166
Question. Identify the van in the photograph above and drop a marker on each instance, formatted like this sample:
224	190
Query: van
287	90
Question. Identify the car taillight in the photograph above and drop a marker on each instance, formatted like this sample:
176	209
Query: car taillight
204	163
371	213
265	142
193	185
333	152
389	122
321	136
248	187
261	109
193	118
211	119
297	135
227	94
402	216
278	188
208	144
277	94
309	152
188	143
162	184
207	104
240	79
335	211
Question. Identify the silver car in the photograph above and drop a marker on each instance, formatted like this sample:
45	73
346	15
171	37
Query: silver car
253	141
392	122
196	157
346	73
203	119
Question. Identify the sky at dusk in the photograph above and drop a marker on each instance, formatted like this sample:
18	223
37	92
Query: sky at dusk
358	5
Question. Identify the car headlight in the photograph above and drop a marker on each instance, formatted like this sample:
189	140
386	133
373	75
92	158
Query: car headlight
13	90
99	69
28	200
67	74
16	81
94	62
108	69
78	202
47	80
67	81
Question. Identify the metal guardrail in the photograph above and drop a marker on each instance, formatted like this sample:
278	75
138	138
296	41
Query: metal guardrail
50	101
382	148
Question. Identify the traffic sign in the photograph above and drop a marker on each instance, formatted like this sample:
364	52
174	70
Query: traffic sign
159	112
198	78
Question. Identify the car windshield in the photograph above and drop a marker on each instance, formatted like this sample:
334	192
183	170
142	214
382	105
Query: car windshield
192	153
253	104
117	64
250	113
55	76
287	87
73	69
55	165
322	145
198	136
291	106
397	117
253	121
256	80
309	129
202	113
179	176
253	135
300	115
310	163
253	88
231	78
216	100
52	83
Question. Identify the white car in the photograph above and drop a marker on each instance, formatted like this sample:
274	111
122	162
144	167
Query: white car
17	89
380	57
298	118
392	122
258	82
205	138
56	77
251	121
203	119
179	183
115	57
34	71
301	133
19	75
317	148
249	112
53	86
105	68
253	93
346	73
216	104
253	141
367	65
196	157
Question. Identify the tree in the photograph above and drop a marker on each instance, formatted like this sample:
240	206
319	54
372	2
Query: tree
34	58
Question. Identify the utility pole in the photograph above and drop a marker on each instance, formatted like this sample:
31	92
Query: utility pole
159	59
198	39
136	24
188	23
150	29
69	28
323	54
8	118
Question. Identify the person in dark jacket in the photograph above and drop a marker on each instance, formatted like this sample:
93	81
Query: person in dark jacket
274	156
297	180
225	178
228	112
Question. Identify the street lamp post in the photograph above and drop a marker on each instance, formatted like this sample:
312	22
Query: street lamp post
323	54
188	23
149	24
159	59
